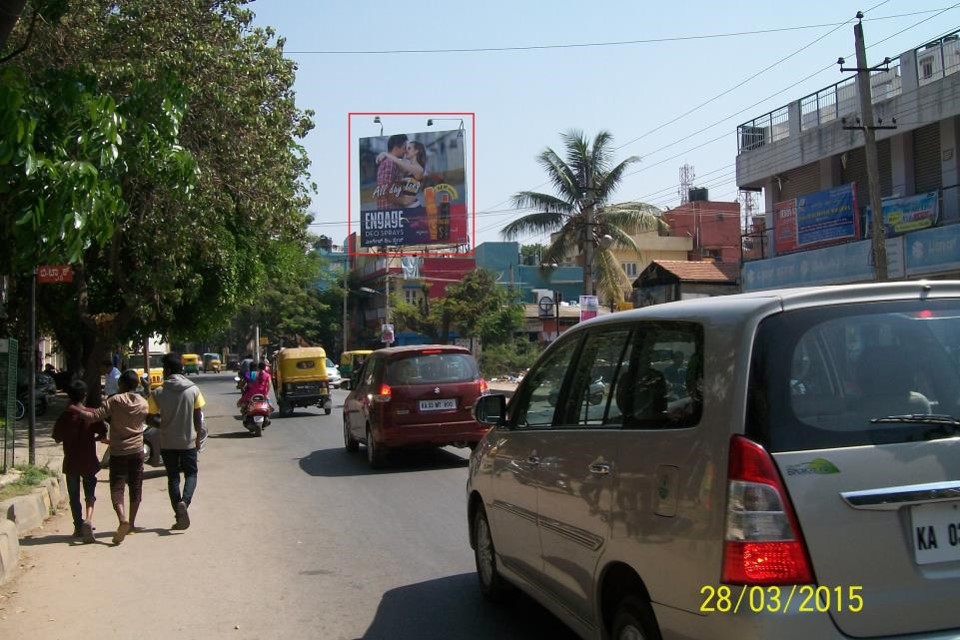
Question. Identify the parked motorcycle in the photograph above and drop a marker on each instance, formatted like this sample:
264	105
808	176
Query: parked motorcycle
256	414
45	387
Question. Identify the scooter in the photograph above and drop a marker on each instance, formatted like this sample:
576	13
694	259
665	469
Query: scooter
256	414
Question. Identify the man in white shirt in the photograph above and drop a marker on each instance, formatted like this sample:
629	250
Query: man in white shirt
111	377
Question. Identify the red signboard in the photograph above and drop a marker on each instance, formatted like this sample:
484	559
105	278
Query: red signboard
54	273
785	226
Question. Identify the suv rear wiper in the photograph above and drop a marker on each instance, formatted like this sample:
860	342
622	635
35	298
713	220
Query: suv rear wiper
918	418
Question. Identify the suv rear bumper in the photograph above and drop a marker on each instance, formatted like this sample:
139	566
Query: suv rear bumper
439	434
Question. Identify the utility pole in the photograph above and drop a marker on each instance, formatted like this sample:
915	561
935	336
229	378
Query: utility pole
32	380
256	345
346	297
868	126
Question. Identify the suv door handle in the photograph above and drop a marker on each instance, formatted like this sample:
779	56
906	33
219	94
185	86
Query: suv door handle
600	468
533	459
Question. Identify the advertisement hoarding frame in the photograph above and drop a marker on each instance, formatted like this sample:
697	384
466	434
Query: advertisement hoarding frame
472	193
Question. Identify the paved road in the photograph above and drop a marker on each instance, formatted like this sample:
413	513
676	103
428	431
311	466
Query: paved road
291	537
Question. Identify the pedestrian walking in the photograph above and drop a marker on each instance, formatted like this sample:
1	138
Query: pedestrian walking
111	378
177	409
127	414
80	462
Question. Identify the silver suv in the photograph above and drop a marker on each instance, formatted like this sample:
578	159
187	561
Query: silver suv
775	465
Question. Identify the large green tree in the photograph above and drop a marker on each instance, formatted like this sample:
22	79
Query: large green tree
581	211
475	307
206	179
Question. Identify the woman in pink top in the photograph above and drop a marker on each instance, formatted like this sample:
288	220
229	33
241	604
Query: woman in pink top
259	385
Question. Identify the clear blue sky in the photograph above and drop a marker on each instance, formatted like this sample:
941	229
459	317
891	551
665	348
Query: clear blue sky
523	99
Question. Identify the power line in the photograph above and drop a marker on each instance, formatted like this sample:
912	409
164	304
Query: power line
585	45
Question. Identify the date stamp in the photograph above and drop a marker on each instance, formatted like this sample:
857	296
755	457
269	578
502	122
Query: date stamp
806	598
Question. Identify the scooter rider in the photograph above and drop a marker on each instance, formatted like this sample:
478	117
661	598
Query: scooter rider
259	385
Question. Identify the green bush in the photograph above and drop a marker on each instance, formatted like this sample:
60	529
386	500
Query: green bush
508	359
30	477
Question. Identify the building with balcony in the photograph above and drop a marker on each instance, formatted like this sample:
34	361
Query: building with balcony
810	166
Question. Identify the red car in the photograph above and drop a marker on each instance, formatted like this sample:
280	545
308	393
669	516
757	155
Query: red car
414	396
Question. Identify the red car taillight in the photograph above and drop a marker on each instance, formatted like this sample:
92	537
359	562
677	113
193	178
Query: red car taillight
484	387
384	394
763	543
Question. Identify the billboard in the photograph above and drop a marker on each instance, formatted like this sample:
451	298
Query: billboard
785	226
826	217
816	219
413	190
901	215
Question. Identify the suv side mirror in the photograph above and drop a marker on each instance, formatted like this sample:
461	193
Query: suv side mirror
491	410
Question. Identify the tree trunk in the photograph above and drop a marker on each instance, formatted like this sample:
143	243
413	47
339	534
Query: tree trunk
10	11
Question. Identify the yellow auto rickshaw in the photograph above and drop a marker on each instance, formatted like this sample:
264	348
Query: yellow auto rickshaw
211	362
191	364
350	364
300	379
154	375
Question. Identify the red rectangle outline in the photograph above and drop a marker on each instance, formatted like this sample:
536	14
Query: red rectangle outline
472	115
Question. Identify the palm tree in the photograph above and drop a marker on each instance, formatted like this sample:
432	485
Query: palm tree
580	216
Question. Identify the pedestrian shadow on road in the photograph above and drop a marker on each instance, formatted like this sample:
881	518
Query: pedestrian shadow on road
336	463
457	610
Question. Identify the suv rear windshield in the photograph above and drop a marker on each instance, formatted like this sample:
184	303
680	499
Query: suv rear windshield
821	378
432	369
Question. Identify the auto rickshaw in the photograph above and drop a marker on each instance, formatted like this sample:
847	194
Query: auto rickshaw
191	364
300	379
350	364
211	362
153	376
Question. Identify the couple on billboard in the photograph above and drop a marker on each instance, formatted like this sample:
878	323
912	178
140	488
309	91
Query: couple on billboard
400	170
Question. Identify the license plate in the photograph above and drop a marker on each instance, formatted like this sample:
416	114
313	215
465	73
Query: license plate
936	532
437	405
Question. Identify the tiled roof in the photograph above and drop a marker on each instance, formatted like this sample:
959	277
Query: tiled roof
702	271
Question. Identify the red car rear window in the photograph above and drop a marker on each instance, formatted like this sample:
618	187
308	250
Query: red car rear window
432	368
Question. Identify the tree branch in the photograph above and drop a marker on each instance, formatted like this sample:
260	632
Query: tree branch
26	43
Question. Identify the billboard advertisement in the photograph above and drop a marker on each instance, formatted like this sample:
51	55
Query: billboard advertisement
785	226
413	190
589	307
826	217
816	220
902	215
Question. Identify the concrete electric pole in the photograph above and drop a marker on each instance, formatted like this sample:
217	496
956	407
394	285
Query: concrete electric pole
870	147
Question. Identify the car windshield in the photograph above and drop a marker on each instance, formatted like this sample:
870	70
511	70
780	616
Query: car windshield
432	369
857	374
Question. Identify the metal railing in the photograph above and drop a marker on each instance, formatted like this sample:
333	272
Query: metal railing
842	100
938	59
767	129
8	401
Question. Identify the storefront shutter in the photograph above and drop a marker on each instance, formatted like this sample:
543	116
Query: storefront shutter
926	158
800	181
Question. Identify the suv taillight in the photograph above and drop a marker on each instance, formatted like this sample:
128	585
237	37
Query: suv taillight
484	387
763	543
384	394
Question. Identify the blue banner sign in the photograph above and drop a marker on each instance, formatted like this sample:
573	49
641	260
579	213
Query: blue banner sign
932	250
902	215
827	216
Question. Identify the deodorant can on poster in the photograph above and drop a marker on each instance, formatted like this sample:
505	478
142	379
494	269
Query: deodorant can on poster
444	225
430	204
